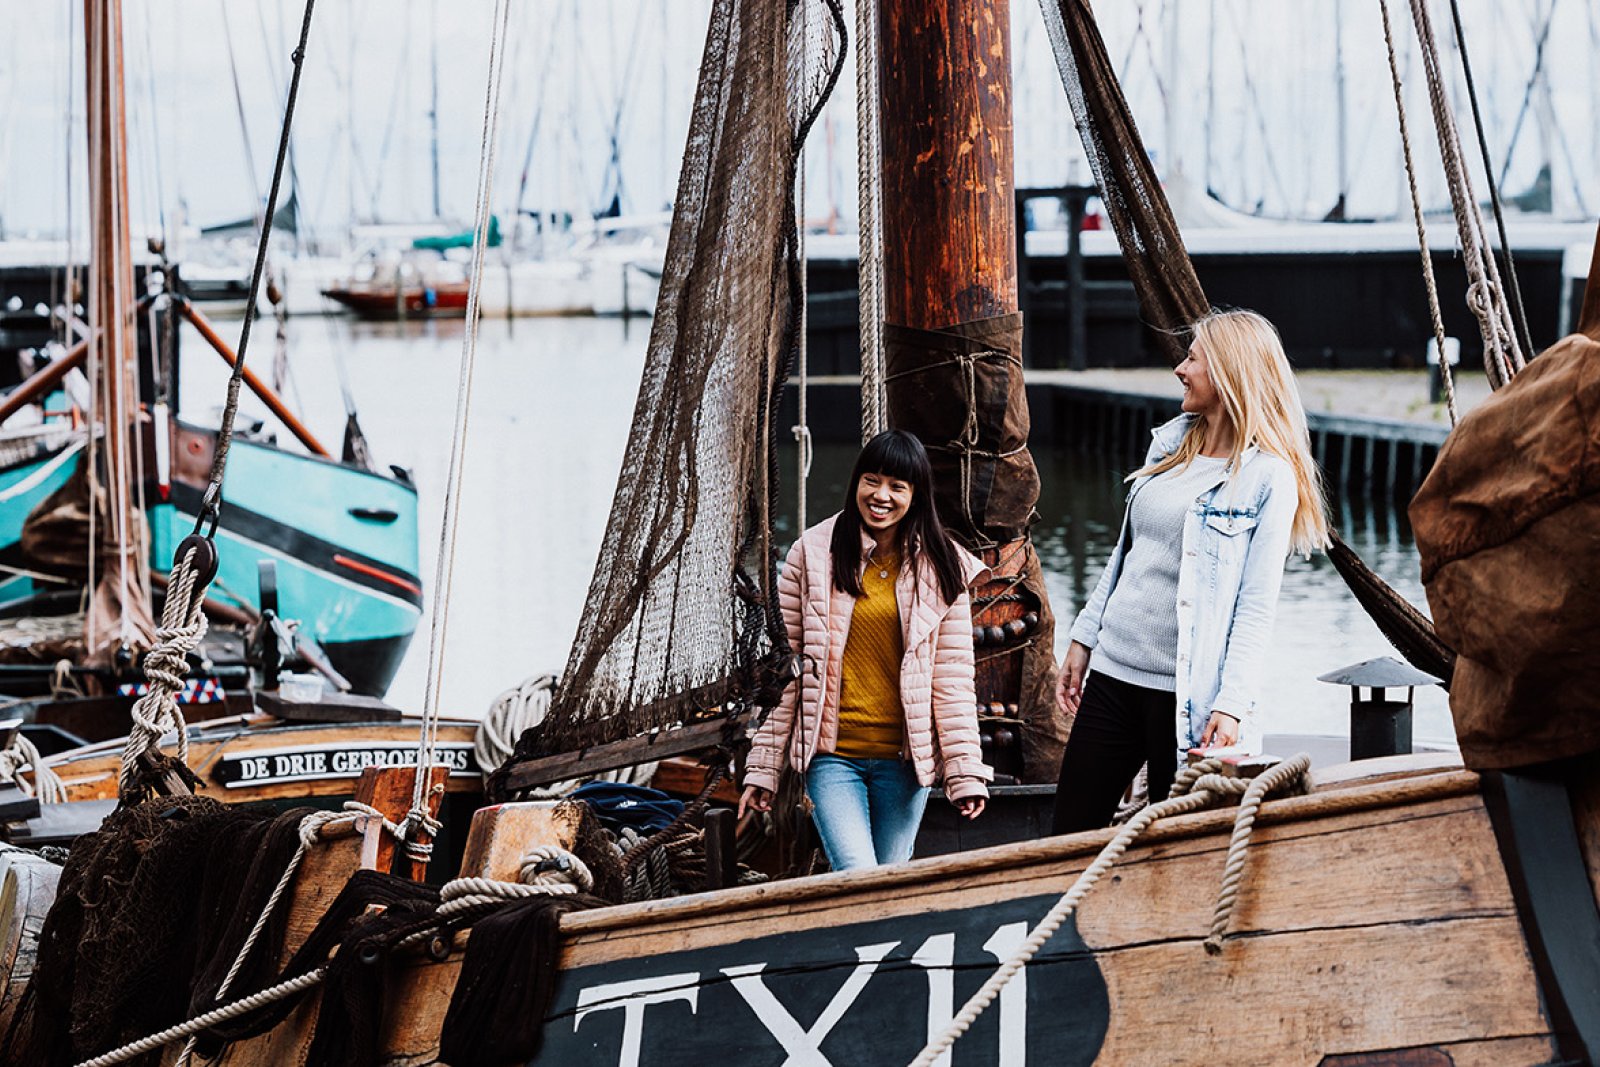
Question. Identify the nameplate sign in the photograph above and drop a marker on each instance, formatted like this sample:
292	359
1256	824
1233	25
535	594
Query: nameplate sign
337	759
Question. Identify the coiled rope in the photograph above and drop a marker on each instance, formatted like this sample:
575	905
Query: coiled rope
1194	788
514	712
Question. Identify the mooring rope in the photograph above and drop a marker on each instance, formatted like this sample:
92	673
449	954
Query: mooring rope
1194	788
1429	282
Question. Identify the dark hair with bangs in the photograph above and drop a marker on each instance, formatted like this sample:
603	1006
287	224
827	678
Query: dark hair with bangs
897	454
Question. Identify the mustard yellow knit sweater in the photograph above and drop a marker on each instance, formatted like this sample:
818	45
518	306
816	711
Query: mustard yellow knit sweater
871	720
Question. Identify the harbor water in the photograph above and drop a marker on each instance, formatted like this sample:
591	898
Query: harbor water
552	404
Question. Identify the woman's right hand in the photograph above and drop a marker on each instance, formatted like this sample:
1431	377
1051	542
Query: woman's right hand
1069	683
754	798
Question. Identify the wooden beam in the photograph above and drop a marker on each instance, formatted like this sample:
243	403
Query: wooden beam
43	380
261	389
390	790
627	753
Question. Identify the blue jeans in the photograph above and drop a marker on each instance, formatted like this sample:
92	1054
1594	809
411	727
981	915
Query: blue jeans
866	810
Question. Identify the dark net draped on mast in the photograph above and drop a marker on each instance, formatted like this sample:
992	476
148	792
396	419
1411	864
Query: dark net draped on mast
675	624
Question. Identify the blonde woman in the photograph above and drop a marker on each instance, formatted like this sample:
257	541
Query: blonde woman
1179	623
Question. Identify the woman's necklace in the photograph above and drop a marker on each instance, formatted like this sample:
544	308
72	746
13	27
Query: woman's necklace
883	564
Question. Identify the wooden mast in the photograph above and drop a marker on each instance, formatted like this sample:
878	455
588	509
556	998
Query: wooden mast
120	607
953	335
949	230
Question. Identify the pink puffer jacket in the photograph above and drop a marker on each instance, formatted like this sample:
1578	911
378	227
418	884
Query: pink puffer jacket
936	686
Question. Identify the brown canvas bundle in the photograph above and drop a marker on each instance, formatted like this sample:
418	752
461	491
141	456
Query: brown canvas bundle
1508	527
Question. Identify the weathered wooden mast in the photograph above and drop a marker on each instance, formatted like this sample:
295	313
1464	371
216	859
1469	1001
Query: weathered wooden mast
121	600
952	335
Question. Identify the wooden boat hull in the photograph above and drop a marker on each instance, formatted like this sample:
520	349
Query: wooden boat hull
1376	917
385	303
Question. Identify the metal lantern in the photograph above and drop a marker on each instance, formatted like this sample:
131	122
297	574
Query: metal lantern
1379	726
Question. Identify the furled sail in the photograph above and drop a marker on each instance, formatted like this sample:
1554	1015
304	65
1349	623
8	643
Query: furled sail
681	620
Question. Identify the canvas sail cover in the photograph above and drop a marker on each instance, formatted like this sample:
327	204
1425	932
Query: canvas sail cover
681	619
1508	527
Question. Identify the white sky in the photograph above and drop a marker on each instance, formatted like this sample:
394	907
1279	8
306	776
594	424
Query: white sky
1261	91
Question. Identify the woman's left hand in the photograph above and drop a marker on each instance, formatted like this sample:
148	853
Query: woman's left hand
1221	730
971	807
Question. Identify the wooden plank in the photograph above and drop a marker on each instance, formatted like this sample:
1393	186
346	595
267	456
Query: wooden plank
1382	797
1433	864
27	889
686	777
216	752
627	753
1375	987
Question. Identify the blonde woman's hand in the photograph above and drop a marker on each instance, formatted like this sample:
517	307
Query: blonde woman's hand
1221	730
754	798
1069	682
971	807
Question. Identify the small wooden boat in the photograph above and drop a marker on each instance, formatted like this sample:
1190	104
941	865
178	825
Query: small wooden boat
380	301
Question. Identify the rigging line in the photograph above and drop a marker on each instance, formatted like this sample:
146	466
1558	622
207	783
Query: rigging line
1527	92
445	569
545	66
212	503
1514	289
1434	314
1255	102
244	123
155	128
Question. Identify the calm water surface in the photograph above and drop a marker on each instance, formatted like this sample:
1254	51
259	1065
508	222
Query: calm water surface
553	399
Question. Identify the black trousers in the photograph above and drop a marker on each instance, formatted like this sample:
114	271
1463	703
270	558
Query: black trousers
1119	728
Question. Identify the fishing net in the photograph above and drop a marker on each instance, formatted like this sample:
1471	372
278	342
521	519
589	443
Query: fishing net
1169	291
681	618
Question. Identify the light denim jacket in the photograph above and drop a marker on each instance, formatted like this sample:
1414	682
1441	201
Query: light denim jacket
1235	543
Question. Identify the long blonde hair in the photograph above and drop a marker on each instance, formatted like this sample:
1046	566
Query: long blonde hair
1248	368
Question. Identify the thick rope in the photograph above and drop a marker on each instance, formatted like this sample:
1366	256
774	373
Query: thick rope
183	624
869	215
469	346
1194	788
546	870
219	464
1502	355
512	714
1286	775
46	784
1429	282
201	1023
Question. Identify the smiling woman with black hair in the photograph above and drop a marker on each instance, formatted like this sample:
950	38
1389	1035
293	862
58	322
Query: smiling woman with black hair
876	606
